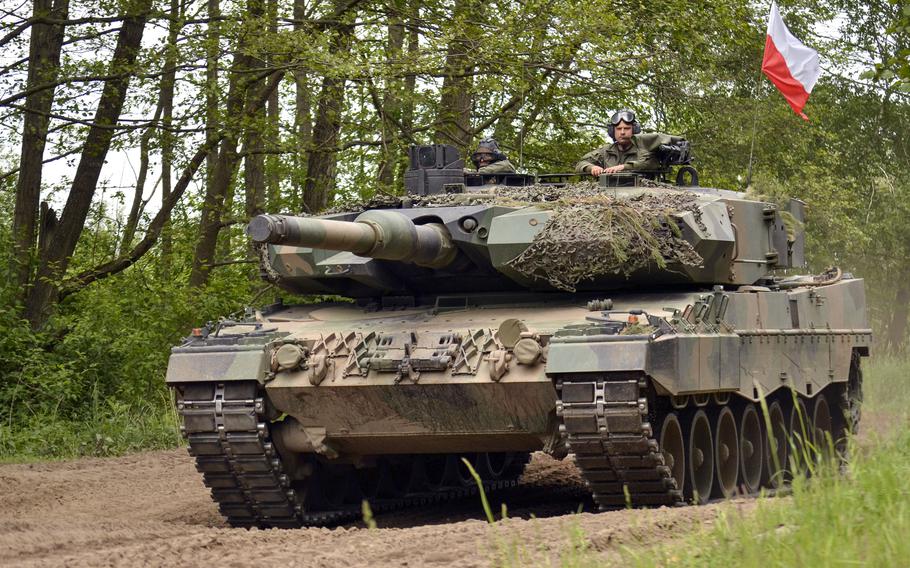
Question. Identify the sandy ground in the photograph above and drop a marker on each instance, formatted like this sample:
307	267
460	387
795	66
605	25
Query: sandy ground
151	509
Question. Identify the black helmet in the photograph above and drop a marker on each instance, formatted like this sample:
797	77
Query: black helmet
491	147
623	115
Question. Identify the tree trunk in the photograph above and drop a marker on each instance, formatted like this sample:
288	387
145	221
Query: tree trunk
168	82
155	228
303	113
254	168
273	127
453	119
322	158
254	159
54	261
392	99
44	61
212	119
132	220
900	309
410	82
218	192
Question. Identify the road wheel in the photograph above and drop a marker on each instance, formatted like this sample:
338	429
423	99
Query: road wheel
726	453
776	447
800	434
700	458
750	448
822	428
673	448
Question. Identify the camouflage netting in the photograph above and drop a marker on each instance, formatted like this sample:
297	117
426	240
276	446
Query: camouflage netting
596	236
499	195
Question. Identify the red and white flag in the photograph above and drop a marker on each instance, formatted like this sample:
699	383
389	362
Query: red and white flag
791	66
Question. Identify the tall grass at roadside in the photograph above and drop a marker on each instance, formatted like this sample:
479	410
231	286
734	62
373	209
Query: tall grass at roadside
109	428
860	516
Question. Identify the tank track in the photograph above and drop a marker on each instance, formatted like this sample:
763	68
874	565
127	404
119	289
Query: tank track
605	425
228	434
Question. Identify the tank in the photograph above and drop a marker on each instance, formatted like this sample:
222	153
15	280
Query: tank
654	334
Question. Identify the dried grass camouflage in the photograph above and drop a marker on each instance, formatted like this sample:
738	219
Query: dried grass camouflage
592	236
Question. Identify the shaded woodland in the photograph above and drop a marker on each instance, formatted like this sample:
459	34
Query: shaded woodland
220	110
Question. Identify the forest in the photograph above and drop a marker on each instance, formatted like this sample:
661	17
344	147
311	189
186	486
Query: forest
139	137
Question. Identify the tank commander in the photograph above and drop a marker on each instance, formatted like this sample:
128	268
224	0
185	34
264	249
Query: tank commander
631	150
488	159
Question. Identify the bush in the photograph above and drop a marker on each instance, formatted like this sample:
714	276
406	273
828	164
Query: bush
92	382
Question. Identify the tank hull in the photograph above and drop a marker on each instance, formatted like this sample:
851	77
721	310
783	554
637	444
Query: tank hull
622	390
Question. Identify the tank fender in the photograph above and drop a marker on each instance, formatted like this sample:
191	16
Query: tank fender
597	354
217	363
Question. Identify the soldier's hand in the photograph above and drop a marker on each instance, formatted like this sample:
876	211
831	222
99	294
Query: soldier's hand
596	170
615	169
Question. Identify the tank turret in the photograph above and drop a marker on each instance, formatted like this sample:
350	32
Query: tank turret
581	237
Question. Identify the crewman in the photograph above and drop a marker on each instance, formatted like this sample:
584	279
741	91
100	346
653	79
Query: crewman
488	159
631	150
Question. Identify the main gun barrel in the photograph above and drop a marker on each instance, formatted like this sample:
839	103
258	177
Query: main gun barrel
386	235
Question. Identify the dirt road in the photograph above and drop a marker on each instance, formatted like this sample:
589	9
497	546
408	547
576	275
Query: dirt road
151	509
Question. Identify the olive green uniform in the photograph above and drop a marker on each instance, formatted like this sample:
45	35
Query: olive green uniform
500	167
640	156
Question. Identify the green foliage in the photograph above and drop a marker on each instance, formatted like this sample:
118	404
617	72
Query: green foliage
99	368
367	514
92	381
109	428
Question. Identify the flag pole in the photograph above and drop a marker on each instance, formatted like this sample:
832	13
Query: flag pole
758	91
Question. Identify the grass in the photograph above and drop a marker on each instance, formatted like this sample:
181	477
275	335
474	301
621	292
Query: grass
858	517
109	429
861	518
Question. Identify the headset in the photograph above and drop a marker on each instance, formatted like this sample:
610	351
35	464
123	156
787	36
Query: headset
623	115
493	146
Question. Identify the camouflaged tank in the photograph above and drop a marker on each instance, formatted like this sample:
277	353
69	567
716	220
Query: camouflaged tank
630	325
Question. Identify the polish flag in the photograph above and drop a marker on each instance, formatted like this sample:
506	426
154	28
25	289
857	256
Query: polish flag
791	66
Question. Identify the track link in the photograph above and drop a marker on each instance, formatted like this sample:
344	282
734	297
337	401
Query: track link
605	427
228	435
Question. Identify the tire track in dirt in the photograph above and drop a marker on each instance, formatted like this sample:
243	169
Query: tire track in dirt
151	509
